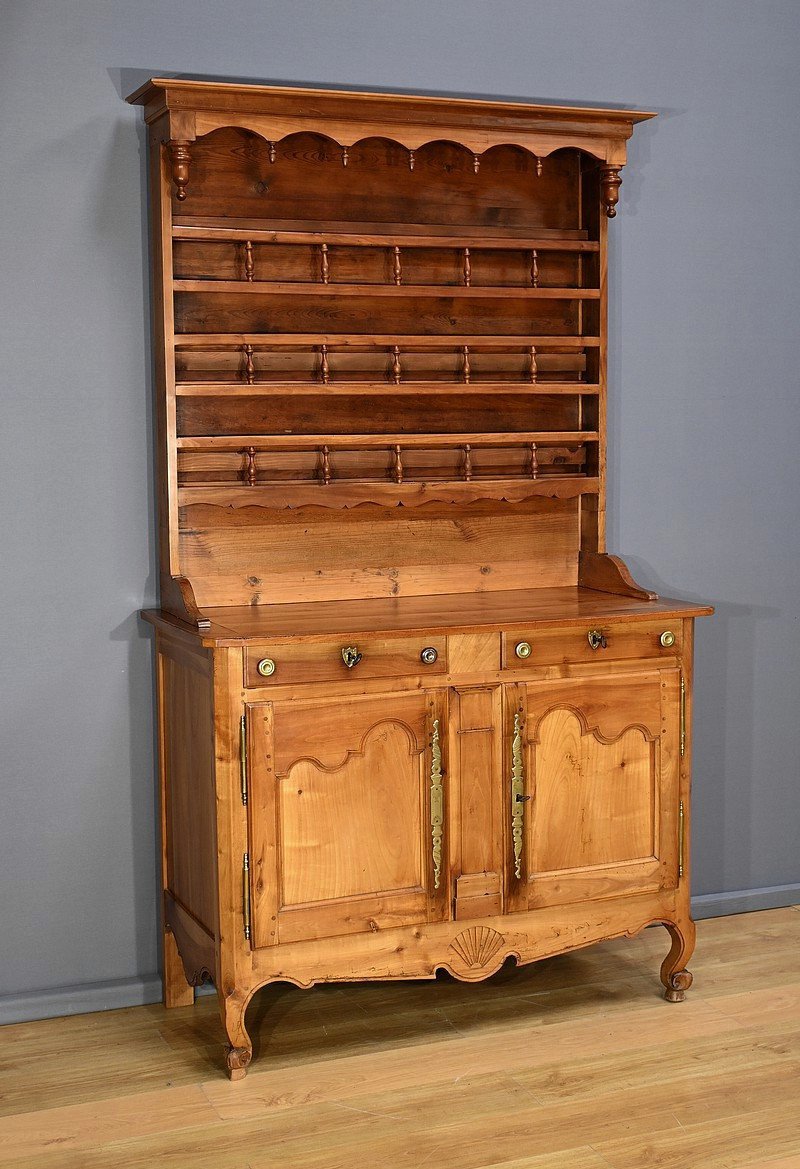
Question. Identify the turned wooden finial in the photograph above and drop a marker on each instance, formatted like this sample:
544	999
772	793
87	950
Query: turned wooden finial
466	368
533	463
533	369
325	269
325	469
397	269
250	466
249	262
466	466
396	368
249	365
345	156
476	163
324	365
610	183
273	154
534	268
411	159
539	167
397	465
467	268
179	153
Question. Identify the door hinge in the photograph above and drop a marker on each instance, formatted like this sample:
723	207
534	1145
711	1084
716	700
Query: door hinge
683	716
681	836
243	757
246	894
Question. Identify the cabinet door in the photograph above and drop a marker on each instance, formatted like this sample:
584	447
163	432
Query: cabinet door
593	784
346	808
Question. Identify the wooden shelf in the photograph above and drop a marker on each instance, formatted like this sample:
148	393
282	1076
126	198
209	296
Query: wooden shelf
237	442
378	389
476	342
347	493
372	235
304	288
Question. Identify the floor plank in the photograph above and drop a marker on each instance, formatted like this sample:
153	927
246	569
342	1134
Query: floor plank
572	1063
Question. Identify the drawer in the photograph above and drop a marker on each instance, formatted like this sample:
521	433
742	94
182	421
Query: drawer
323	661
635	639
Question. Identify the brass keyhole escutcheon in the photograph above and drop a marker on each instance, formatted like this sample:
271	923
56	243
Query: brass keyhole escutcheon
266	667
428	655
350	656
523	649
597	639
667	638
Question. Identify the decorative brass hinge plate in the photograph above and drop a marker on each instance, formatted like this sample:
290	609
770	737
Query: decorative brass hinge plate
517	794
683	716
437	805
681	836
246	895
243	757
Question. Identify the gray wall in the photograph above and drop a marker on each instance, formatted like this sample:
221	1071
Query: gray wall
705	425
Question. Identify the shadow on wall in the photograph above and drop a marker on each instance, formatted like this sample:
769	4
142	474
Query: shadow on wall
723	738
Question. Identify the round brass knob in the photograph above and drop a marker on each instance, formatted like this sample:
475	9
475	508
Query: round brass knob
428	655
266	667
523	649
667	638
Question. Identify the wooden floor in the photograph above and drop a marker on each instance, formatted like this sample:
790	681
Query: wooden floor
574	1063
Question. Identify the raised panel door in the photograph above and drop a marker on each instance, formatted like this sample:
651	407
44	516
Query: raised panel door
593	787
347	815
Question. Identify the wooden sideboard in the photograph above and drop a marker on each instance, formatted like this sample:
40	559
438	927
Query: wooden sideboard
412	716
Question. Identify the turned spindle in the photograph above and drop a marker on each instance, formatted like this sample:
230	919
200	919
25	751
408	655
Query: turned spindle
466	368
273	154
249	371
250	466
249	261
533	464
325	470
533	370
325	270
476	163
397	465
466	466
538	167
467	268
396	369
411	159
324	365
396	268
534	269
180	156
345	156
610	183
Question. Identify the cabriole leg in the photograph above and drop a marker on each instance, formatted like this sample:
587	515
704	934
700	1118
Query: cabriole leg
674	975
240	1050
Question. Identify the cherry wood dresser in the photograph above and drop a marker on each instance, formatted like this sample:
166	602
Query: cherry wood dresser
412	716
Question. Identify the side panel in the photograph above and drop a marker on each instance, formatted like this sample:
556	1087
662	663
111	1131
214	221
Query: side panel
186	724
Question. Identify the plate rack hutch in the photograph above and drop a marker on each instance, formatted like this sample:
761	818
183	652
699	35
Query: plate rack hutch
412	716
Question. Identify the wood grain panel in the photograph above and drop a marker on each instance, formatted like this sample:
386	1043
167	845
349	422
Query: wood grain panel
188	770
380	552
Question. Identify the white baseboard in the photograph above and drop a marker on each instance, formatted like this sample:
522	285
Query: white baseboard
136	992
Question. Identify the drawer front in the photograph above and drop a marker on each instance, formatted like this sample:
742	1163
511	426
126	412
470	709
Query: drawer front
276	663
637	639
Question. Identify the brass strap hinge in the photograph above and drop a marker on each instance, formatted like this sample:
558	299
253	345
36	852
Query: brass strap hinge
683	716
246	894
243	757
437	805
681	836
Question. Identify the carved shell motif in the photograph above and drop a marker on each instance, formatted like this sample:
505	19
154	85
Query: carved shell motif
477	946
